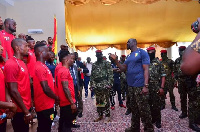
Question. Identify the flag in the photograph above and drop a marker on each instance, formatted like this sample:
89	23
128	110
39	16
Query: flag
55	44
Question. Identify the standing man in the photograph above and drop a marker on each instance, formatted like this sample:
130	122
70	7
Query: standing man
50	63
66	94
87	78
156	86
169	85
101	82
81	69
9	29
1	24
3	95
191	57
137	66
116	87
182	86
123	78
18	82
50	41
44	94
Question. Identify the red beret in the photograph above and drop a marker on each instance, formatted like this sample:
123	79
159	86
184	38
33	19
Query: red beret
151	48
163	51
123	56
182	47
98	51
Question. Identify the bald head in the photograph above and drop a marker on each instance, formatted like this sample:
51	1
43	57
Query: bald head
10	25
132	44
20	46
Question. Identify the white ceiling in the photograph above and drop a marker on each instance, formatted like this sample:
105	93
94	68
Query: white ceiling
12	2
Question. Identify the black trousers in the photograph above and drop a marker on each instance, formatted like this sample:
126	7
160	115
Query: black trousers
45	119
66	118
3	126
19	124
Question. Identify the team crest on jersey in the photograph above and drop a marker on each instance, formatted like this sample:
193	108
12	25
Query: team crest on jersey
136	54
7	38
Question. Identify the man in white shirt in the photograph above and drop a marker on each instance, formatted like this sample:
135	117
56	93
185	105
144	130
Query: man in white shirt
87	78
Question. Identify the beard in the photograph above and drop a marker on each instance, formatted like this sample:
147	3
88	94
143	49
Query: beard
1	27
11	29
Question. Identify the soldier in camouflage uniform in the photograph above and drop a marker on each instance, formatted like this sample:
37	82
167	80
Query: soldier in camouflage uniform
194	103
181	79
169	83
191	64
156	86
124	87
101	82
137	67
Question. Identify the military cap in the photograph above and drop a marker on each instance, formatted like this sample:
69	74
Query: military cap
182	47
151	48
163	51
98	51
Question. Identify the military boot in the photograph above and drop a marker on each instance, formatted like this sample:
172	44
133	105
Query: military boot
194	127
98	119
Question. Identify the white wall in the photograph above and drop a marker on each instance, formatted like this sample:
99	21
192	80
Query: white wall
2	11
39	14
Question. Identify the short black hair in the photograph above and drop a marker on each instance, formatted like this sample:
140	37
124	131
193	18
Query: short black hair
63	53
7	20
29	38
49	37
38	45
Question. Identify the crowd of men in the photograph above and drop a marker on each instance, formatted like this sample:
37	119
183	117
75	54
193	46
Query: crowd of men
31	79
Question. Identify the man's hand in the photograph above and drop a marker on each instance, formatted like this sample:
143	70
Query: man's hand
161	91
79	69
107	86
73	107
13	107
57	101
28	118
145	91
79	93
113	57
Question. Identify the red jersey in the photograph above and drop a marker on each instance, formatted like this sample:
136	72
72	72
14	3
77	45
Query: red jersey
7	43
64	75
55	76
2	43
31	62
42	73
2	92
16	71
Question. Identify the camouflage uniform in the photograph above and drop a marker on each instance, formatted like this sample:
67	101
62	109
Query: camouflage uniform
196	46
169	80
139	108
194	100
182	88
156	72
101	76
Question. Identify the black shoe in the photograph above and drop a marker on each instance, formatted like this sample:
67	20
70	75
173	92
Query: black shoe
174	108
194	127
75	126
158	124
123	98
183	115
80	115
128	112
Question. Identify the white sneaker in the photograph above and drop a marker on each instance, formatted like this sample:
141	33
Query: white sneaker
53	124
93	97
56	118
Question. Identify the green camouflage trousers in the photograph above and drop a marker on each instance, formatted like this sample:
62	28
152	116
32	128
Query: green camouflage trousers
155	101
182	89
102	101
140	109
169	87
194	104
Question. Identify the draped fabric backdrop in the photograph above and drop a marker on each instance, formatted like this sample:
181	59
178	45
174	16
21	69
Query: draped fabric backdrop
110	23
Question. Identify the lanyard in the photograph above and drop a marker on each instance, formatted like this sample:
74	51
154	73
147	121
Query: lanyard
19	64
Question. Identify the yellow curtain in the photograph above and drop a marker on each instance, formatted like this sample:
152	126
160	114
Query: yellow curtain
124	46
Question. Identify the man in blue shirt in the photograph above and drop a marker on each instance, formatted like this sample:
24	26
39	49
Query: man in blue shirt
137	67
50	63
